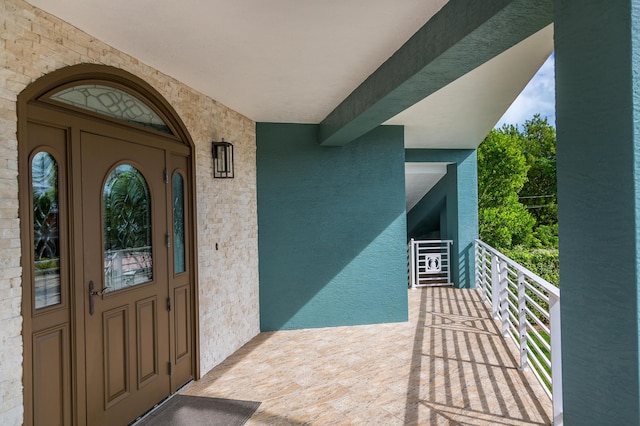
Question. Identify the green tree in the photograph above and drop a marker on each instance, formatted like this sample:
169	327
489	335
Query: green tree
502	172
518	195
540	191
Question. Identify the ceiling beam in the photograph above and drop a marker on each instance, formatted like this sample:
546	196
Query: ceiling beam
463	35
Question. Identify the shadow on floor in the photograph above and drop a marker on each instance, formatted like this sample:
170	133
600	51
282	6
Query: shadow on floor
447	365
469	367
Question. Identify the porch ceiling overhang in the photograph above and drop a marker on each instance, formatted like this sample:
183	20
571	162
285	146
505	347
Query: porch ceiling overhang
338	63
445	69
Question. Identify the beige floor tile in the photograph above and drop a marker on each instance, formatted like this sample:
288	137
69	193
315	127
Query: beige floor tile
448	365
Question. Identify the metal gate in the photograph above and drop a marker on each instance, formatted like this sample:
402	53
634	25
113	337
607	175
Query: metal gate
429	263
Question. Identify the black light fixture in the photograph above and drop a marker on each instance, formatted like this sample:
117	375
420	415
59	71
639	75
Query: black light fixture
222	159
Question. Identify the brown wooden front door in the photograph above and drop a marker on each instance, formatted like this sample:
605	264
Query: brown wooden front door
125	275
108	248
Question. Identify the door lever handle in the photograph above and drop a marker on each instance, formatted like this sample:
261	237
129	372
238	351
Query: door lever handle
100	292
92	293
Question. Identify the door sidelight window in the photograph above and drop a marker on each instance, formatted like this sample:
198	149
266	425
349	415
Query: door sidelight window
46	244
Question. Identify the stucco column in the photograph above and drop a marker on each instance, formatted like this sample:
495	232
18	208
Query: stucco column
598	152
465	223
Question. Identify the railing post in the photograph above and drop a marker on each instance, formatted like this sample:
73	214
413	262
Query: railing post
504	298
449	244
495	286
522	323
556	360
413	264
476	252
485	275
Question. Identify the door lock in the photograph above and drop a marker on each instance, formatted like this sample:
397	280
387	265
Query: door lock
92	293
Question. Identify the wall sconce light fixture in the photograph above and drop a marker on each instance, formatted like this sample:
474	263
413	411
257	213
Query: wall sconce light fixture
222	159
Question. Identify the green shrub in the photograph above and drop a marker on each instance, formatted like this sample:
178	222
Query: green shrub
542	261
546	236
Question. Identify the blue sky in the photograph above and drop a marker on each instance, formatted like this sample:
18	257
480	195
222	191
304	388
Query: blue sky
538	97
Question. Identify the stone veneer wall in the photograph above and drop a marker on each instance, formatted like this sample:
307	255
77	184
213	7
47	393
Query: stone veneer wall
34	43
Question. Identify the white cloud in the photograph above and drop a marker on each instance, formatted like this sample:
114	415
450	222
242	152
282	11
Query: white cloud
539	96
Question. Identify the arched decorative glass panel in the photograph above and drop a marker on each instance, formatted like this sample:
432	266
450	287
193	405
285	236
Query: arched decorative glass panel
178	224
126	210
46	245
112	102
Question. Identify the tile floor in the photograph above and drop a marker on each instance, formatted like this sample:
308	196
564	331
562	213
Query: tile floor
447	366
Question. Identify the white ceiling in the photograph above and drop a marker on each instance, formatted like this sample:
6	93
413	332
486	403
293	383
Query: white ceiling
420	178
294	61
288	61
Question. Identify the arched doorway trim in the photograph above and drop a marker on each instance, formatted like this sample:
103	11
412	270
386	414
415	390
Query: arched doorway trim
40	119
92	73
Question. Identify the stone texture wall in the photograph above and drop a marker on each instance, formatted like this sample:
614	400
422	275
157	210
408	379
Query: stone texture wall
34	43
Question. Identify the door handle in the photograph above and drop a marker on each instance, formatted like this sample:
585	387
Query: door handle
92	293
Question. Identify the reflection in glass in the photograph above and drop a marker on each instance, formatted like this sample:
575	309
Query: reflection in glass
126	205
178	224
46	247
112	102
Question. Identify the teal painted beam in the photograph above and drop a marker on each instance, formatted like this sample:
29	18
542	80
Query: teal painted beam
463	35
597	45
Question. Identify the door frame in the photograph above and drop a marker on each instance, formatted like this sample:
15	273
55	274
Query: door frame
31	97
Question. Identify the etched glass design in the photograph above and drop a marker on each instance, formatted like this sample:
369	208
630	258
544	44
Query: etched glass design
178	224
126	211
112	102
46	243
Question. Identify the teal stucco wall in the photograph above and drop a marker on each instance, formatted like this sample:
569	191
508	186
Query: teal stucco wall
598	152
453	202
331	228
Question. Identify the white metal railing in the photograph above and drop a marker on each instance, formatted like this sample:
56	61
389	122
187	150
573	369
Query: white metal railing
528	308
428	263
